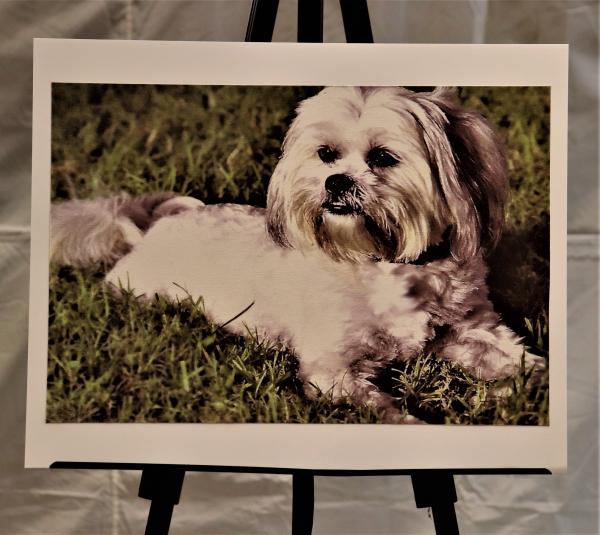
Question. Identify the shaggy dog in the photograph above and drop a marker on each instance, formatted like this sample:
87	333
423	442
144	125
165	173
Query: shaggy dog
371	248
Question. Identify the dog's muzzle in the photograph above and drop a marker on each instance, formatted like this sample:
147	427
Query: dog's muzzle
343	195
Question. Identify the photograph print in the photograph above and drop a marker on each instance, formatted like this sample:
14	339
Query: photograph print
286	254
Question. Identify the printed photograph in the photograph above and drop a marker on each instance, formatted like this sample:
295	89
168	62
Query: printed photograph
281	254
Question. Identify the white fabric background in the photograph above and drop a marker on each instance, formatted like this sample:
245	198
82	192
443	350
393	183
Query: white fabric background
74	502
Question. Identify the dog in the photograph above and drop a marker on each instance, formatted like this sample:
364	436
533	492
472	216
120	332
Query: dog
371	248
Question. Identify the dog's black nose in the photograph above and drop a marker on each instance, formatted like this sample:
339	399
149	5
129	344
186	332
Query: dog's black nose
338	184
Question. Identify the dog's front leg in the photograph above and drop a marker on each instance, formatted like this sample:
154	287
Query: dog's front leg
354	385
455	297
491	352
348	374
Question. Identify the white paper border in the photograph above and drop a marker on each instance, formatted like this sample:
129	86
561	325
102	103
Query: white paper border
313	446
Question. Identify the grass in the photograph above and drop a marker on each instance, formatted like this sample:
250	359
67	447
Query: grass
106	362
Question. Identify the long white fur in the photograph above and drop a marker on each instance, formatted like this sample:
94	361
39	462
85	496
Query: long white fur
90	231
320	308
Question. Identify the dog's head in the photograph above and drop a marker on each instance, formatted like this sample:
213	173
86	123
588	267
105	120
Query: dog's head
384	173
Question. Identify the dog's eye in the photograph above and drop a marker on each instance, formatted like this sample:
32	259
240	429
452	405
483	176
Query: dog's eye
379	157
327	154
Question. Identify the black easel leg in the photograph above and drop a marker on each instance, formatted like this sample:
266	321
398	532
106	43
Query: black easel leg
444	519
357	24
435	489
161	485
310	21
303	501
262	20
159	518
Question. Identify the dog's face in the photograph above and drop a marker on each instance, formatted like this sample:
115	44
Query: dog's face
383	173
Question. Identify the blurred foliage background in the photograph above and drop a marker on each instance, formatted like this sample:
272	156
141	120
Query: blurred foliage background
220	144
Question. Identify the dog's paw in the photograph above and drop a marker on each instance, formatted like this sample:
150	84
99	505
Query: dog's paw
397	417
534	369
177	205
145	210
535	365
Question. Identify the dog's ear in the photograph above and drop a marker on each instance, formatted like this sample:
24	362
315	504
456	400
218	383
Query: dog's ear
275	213
468	159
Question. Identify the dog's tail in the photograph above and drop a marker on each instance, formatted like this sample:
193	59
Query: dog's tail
85	232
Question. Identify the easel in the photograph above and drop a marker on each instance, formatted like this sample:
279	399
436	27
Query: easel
162	484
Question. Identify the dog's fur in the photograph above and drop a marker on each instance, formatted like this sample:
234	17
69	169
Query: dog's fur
381	262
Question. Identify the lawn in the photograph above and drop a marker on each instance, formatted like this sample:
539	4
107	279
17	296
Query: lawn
119	360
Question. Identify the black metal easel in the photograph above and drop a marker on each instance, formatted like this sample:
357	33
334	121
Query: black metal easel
162	484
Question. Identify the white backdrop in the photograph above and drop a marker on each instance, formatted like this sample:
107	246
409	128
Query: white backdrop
73	502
